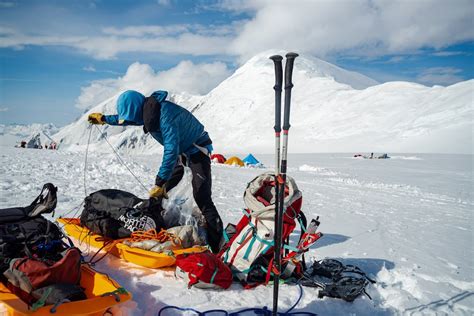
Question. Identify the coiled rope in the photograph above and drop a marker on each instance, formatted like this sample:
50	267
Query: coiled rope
152	234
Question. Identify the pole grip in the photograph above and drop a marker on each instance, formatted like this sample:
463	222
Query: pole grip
278	71
278	88
290	60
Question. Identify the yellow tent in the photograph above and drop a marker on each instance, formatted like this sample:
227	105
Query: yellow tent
235	161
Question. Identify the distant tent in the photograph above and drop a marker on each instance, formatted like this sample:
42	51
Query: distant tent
218	158
34	142
234	161
251	160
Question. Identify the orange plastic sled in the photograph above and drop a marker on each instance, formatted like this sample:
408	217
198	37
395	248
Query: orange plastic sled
103	296
144	258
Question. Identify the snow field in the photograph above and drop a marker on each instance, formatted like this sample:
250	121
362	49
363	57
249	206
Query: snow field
406	222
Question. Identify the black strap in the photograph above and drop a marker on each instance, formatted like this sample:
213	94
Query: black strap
205	143
25	239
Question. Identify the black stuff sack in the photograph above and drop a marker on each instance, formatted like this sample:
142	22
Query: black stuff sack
116	214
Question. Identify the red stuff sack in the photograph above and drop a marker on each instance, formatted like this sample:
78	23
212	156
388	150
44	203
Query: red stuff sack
203	270
30	274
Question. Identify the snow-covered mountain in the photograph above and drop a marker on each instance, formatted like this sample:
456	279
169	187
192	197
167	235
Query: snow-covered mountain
14	134
333	110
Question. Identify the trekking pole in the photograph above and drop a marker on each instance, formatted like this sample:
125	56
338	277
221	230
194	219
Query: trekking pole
290	59
278	82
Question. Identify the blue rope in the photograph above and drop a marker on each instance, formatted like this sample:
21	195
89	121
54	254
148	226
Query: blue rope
258	311
298	300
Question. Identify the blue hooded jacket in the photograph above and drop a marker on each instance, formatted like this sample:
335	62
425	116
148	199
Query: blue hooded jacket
179	129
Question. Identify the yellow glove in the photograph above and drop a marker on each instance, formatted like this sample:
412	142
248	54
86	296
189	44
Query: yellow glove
158	192
96	118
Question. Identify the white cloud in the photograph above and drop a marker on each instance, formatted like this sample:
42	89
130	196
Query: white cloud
440	76
185	77
186	43
320	27
11	38
6	31
174	29
131	39
89	69
147	30
395	59
359	27
3	109
164	3
96	92
447	54
7	4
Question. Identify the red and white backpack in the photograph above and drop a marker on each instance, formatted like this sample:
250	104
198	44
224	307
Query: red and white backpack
249	247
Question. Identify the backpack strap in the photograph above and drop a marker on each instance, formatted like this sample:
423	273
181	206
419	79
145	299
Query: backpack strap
245	239
263	201
303	224
42	300
231	239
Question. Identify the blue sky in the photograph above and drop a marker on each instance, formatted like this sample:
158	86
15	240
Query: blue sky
58	58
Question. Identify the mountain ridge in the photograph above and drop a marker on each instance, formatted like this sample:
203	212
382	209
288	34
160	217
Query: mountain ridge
333	110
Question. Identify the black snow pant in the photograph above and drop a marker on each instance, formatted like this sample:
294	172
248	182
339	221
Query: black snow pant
200	165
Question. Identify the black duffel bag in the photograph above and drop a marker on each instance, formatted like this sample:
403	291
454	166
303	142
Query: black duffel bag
116	214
